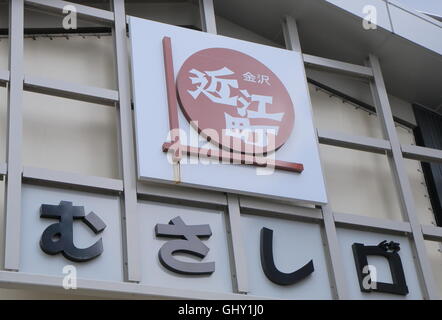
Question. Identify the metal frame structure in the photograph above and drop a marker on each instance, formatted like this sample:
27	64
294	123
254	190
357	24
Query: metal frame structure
130	189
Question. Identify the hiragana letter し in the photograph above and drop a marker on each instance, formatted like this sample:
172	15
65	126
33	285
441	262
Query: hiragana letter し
268	264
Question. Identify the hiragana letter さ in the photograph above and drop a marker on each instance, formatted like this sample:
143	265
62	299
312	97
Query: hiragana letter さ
188	242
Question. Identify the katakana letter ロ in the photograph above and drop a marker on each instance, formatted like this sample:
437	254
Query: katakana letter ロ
218	90
388	250
188	242
268	264
59	237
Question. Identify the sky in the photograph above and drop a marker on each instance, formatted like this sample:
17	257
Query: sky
430	6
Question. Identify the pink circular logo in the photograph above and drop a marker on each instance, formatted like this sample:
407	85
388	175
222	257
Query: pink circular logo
235	101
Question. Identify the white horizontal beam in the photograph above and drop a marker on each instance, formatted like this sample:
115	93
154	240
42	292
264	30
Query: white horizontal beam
428	17
260	206
338	66
421	153
85	12
432	232
71	91
172	192
361	143
110	289
72	180
4	77
368	223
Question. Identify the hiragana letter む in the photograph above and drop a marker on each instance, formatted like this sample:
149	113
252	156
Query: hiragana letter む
189	242
268	264
59	237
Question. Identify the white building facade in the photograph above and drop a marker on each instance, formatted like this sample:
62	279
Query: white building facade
72	119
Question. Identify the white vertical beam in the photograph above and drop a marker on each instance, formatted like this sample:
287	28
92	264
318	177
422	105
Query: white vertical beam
126	144
14	136
291	35
334	254
334	250
208	24
402	183
207	13
237	244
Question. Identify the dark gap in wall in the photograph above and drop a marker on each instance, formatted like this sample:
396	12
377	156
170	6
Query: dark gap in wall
428	134
61	31
78	31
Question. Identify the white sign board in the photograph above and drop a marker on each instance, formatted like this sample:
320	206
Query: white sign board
250	101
